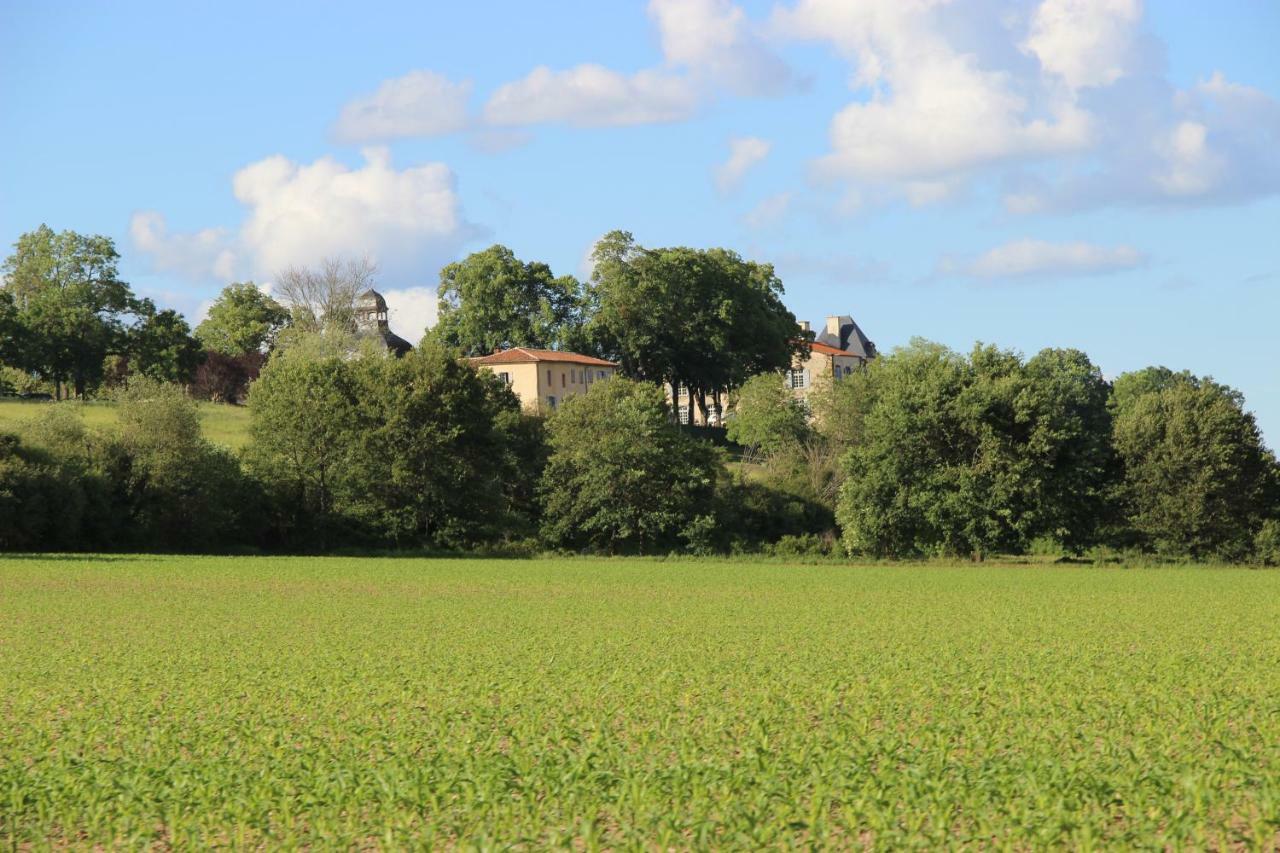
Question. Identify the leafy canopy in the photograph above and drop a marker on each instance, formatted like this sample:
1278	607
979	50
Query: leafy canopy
242	320
493	300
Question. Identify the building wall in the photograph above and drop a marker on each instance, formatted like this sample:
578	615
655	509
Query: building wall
536	382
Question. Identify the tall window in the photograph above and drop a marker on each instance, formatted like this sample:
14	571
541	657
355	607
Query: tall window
562	382
600	375
799	378
551	402
548	376
684	414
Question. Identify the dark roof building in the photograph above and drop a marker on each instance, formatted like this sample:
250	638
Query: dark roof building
843	334
371	323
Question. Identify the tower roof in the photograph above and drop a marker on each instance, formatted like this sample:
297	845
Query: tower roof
371	300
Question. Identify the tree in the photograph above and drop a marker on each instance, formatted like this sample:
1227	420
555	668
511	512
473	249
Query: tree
182	492
430	462
705	319
323	298
622	477
955	455
1198	481
163	349
72	302
14	341
492	300
768	418
303	408
242	320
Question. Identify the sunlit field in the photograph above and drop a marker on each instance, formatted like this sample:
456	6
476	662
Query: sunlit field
389	702
221	424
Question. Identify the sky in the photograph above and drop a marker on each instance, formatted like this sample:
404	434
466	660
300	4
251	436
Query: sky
1097	174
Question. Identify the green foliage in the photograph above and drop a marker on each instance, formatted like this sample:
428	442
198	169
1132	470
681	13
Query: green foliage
416	450
492	300
429	461
767	417
71	302
1266	545
329	703
706	319
1196	474
163	349
621	477
975	455
242	320
183	493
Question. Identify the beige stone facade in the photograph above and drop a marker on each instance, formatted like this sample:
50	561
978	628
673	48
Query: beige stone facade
544	379
838	349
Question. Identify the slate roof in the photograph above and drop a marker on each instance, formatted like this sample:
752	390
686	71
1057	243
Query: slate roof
851	340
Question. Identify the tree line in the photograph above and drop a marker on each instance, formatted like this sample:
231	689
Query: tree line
925	452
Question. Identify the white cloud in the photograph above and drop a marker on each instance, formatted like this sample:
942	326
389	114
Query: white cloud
409	221
933	111
411	311
1041	259
1085	42
715	40
200	254
591	96
770	211
744	153
421	103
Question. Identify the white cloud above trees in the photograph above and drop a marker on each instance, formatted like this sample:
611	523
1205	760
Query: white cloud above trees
1022	259
591	96
421	103
409	221
745	153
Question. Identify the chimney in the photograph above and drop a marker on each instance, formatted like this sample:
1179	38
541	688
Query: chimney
833	327
804	325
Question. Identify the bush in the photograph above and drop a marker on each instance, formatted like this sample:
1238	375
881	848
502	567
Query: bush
621	478
805	545
1266	545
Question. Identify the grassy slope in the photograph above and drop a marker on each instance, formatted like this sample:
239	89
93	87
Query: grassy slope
341	702
225	425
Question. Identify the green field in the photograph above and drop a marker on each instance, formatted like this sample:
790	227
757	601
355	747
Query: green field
222	424
389	702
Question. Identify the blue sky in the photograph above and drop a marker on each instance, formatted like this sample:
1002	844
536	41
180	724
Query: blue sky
1085	173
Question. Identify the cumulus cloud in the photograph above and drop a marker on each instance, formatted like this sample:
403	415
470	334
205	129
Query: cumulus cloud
1084	42
708	46
1042	259
744	153
411	311
715	40
591	96
933	110
421	103
409	221
200	254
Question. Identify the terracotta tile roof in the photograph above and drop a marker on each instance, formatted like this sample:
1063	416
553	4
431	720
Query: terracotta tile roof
827	349
524	355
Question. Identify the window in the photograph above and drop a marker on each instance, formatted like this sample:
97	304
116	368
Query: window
713	415
562	381
505	377
601	374
551	403
684	414
548	376
799	378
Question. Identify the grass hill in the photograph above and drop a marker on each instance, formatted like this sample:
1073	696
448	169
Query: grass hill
222	424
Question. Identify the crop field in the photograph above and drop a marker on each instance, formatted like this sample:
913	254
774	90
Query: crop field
221	424
375	702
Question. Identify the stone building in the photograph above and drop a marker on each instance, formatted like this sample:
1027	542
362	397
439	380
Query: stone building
542	378
371	323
